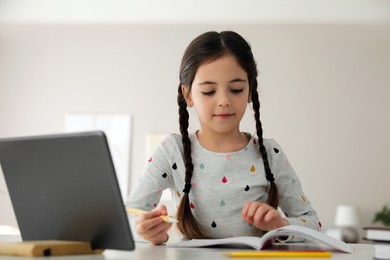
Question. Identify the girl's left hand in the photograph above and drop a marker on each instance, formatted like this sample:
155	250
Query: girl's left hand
263	216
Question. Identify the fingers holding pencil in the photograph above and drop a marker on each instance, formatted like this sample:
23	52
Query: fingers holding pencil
138	212
152	227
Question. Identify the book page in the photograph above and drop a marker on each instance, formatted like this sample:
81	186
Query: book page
251	241
309	234
261	242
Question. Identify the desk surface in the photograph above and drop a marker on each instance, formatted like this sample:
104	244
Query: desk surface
149	252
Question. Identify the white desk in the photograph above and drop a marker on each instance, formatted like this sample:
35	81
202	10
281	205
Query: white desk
148	252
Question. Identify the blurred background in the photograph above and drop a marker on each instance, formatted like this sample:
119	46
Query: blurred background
324	79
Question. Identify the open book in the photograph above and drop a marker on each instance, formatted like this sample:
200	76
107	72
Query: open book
267	239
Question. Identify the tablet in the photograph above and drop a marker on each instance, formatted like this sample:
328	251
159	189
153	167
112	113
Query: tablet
64	187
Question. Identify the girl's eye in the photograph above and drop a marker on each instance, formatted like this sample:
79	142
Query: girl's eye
236	91
208	93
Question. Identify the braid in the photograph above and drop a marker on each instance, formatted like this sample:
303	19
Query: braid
273	198
187	224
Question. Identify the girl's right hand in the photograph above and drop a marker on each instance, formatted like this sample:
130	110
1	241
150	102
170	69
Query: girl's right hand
151	227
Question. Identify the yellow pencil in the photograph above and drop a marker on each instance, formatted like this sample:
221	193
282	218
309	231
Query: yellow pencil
136	212
296	254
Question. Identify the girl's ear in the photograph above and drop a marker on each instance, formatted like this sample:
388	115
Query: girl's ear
249	98
187	95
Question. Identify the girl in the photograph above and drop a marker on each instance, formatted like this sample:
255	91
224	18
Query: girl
224	181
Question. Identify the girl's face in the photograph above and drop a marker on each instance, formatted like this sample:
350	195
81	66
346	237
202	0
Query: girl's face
219	94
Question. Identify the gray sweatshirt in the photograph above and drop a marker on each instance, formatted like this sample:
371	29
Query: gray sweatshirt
221	184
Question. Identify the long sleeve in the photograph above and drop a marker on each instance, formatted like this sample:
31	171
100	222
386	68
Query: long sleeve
156	178
292	200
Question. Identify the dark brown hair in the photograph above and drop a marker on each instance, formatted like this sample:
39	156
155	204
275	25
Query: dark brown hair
205	48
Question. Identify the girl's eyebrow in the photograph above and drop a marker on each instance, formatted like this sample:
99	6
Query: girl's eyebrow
207	83
214	83
238	80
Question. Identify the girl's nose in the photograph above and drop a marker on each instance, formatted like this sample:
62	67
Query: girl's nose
224	101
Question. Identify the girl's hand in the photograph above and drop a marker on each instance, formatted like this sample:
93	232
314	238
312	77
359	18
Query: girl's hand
263	216
151	227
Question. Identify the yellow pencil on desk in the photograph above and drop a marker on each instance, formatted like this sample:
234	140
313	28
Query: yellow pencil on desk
136	212
275	254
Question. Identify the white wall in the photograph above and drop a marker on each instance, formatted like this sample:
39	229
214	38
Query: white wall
324	89
193	11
